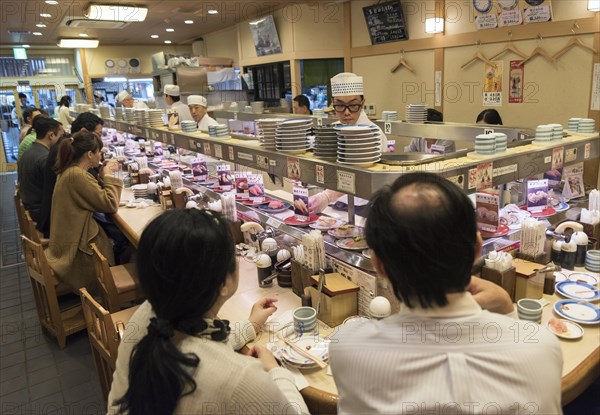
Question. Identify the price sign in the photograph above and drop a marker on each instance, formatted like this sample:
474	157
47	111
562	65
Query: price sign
387	127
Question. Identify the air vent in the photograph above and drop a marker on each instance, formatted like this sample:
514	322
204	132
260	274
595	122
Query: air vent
19	32
84	23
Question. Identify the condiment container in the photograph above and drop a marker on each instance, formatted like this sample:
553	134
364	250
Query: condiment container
568	255
529	283
339	299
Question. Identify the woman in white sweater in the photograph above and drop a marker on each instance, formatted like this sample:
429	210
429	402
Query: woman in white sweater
176	356
62	111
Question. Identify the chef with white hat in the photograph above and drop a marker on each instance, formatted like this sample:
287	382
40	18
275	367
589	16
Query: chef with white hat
98	99
197	105
173	100
347	91
127	101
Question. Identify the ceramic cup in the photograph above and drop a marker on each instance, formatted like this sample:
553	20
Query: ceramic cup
305	319
530	309
592	261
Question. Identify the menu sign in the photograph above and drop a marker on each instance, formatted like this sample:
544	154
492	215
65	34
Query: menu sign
386	22
301	203
537	195
487	211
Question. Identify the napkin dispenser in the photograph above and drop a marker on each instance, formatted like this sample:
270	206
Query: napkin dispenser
339	299
529	282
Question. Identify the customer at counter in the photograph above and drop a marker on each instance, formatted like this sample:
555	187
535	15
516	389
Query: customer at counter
348	102
77	196
28	115
198	107
489	116
179	358
431	145
173	101
62	111
301	105
442	350
125	99
30	136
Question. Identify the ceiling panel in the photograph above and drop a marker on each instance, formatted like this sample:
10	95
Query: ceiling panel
22	16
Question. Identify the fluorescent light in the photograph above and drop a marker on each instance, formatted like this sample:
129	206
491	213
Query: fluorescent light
26	46
169	29
51	2
40	25
594	5
83	35
213	11
116	13
154	36
188	21
78	43
37	33
115	79
168	42
434	25
45	15
257	22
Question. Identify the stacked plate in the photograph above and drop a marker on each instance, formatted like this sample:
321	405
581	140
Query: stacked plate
319	112
586	126
502	142
326	143
155	118
120	113
544	134
140	117
265	131
140	191
291	135
485	144
573	124
416	113
219	130
189	126
129	115
557	131
358	145
389	115
104	111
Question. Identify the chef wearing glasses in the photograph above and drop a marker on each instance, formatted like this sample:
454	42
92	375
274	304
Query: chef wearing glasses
348	102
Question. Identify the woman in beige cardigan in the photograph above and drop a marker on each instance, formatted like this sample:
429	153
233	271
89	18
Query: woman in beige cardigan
76	197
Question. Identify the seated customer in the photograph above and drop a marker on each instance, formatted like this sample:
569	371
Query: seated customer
30	135
77	195
28	115
442	353
179	357
489	116
431	145
31	164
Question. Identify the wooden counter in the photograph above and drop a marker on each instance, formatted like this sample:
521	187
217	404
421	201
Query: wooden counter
581	357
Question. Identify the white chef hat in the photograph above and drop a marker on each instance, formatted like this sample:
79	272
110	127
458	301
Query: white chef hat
172	90
123	95
98	94
197	100
346	83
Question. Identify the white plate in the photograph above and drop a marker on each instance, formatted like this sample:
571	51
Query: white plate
355	230
574	330
559	277
578	311
312	343
364	164
583	277
346	244
356	128
367	253
577	290
320	226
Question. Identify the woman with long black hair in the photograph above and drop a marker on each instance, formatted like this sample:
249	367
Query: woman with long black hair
62	111
176	356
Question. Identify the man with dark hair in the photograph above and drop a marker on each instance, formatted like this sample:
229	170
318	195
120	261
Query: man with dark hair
431	145
28	115
31	164
30	137
449	348
173	101
301	105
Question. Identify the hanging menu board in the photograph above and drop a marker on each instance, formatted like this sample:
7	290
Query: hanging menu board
386	22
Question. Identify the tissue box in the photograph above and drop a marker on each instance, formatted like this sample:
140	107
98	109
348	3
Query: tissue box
505	279
339	299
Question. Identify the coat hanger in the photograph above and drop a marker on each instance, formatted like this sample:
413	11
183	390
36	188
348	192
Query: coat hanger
574	41
509	47
478	56
539	51
402	62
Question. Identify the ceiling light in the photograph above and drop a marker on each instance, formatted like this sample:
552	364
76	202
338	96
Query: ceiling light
83	34
168	42
78	43
40	25
593	5
434	25
45	15
169	29
26	46
188	21
115	79
51	2
213	11
37	33
154	36
116	13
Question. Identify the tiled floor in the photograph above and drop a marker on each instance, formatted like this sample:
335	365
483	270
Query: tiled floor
36	377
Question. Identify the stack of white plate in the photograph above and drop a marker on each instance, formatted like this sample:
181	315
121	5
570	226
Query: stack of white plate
544	133
189	126
389	115
140	117
129	115
104	111
319	112
586	126
326	143
140	190
573	124
291	135
119	113
485	144
358	145
219	130
265	131
416	113
154	118
557	131
501	142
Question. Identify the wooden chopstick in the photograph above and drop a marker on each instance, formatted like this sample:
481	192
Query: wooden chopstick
303	352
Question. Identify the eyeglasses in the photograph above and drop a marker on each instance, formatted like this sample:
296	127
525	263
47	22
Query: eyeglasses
350	107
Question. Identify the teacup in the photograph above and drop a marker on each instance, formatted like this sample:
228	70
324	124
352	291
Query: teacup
592	261
530	309
305	319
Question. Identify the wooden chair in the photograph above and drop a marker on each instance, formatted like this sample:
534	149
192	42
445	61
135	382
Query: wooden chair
104	331
118	284
320	402
32	232
20	209
59	322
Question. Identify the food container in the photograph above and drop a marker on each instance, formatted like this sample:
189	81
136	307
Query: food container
339	299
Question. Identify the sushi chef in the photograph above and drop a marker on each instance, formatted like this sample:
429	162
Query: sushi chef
173	100
197	105
125	99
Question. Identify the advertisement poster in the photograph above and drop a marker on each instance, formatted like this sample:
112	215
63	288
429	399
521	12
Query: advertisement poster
573	176
256	187
301	203
485	174
492	84
487	211
509	13
199	168
293	168
485	14
537	195
241	186
517	80
536	11
224	175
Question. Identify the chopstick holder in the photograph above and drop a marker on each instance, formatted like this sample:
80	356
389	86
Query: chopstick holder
303	352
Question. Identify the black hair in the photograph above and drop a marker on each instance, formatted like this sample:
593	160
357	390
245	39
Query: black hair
43	113
490	116
65	101
175	98
27	113
22	95
184	257
434	115
43	125
422	228
72	149
86	120
302	100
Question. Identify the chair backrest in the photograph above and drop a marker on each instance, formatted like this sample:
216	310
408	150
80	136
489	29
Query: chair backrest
32	232
20	209
104	339
105	280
